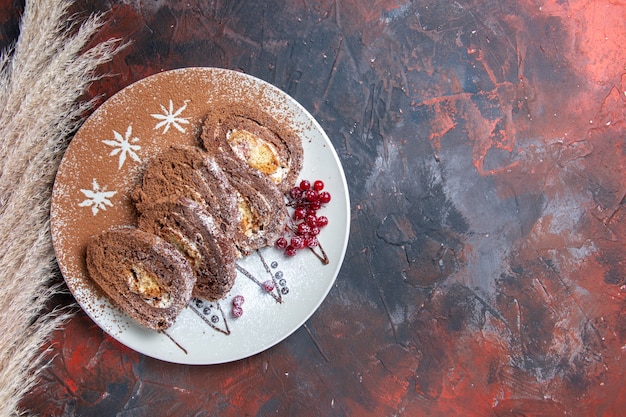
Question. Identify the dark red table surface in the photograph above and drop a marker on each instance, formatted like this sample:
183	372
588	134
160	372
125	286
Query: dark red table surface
483	144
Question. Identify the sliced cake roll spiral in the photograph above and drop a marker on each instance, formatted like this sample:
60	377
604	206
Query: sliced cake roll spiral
143	274
250	134
188	171
193	230
262	210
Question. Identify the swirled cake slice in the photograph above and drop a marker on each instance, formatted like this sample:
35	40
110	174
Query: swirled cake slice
143	274
193	230
255	137
262	210
188	171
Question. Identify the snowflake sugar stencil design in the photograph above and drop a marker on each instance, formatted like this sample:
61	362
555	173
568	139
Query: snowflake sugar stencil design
122	146
98	199
171	118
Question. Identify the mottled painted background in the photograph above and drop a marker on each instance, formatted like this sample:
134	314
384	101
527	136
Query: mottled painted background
483	142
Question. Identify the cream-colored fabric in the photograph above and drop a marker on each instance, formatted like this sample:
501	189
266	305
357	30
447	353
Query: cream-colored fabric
41	80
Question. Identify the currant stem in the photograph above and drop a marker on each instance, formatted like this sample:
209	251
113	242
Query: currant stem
244	271
323	257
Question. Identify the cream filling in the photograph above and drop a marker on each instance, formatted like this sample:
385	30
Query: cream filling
247	223
259	154
145	284
185	246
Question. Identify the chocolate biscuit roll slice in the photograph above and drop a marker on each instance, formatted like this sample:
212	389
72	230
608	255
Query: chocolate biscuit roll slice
143	274
188	171
268	145
262	210
194	231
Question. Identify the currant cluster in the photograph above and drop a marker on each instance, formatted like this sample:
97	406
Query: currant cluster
304	225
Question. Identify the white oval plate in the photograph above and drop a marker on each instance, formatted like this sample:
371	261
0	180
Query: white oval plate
105	160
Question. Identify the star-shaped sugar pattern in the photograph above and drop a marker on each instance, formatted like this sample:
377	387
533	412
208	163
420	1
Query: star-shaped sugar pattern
97	198
122	145
171	117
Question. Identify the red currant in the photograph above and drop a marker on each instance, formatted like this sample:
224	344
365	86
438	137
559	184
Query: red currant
299	213
311	220
314	231
324	197
304	228
311	241
295	193
237	311
318	185
305	185
315	205
238	300
281	243
322	221
297	242
268	286
290	251
311	195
